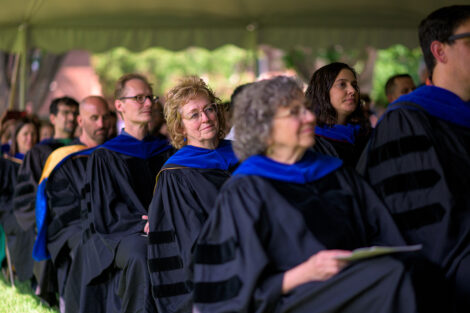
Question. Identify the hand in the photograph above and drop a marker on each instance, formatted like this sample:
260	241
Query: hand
318	267
146	227
324	265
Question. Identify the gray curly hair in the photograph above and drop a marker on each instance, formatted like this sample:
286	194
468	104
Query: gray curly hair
254	109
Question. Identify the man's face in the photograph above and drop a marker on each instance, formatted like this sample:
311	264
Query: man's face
458	56
401	86
94	120
65	120
132	111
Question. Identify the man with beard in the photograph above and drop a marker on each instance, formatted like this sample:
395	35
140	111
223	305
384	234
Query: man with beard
59	201
63	113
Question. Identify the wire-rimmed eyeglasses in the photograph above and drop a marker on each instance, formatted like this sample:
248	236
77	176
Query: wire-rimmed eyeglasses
209	110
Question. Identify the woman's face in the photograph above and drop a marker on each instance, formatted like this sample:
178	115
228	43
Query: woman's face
293	127
344	94
26	138
200	122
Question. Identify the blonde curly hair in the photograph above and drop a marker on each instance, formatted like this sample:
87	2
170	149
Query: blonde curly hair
188	88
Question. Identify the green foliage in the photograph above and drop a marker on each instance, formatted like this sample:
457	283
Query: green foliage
397	59
20	299
227	67
223	69
337	53
305	60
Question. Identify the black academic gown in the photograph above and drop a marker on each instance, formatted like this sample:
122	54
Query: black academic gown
119	190
17	238
28	178
182	202
262	227
420	166
64	230
8	172
24	204
346	151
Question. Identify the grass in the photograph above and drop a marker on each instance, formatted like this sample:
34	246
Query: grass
20	299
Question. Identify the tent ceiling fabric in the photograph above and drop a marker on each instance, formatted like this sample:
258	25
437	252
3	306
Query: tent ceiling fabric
98	25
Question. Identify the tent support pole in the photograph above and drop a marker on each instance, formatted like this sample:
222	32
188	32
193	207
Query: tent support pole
23	81
14	79
21	49
253	46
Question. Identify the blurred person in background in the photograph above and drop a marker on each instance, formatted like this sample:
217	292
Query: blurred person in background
398	85
63	114
25	136
59	201
46	131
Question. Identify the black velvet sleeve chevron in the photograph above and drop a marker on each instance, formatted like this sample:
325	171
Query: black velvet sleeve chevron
182	201
419	165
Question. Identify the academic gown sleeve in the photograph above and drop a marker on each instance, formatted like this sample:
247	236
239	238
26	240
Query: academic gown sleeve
7	182
182	201
253	237
349	153
29	173
404	166
63	191
115	210
374	217
20	242
231	257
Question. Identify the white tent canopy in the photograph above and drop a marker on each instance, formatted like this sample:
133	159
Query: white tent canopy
97	25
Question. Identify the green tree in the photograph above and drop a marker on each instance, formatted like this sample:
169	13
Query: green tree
397	59
223	69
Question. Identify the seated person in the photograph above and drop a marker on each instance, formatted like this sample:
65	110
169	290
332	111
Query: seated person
342	127
119	186
59	200
24	137
282	222
186	189
398	85
418	159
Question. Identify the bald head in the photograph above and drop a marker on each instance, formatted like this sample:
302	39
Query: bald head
93	118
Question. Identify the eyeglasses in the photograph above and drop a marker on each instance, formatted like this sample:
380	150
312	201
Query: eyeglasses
458	36
209	110
141	98
297	111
